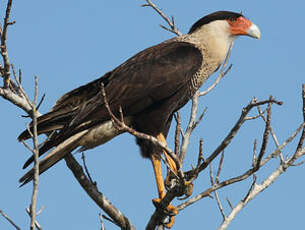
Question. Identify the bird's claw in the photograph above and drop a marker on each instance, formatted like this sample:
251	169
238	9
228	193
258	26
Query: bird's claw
170	210
186	188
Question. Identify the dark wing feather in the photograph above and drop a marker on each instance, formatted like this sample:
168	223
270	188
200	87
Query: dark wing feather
144	80
147	78
66	107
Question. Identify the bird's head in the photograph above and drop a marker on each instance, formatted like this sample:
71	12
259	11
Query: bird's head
234	24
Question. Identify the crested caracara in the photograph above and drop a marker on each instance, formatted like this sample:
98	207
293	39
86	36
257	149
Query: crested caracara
150	87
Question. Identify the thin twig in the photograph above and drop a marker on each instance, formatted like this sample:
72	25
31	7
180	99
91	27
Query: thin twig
9	220
257	189
200	118
102	222
265	136
200	155
241	177
177	132
98	197
170	22
261	114
36	159
254	158
301	141
189	129
4	54
37	225
41	100
86	169
229	203
234	130
123	127
219	166
219	205
222	73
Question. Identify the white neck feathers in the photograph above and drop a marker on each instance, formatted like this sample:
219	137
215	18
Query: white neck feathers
216	38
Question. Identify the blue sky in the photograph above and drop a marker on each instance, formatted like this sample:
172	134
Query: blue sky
68	43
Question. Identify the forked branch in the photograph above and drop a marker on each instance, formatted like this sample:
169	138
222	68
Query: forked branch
171	22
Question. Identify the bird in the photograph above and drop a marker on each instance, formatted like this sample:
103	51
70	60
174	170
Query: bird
148	89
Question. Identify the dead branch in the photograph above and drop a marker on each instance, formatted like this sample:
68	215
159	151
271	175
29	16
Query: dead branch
235	129
229	203
257	189
86	169
171	22
102	222
265	137
177	132
219	205
297	153
261	114
9	220
5	70
36	158
189	129
301	142
98	197
241	177
37	225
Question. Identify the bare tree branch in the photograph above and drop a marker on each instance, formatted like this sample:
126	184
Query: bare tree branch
229	203
98	197
86	169
301	142
102	222
216	194
37	225
265	137
261	114
189	129
256	190
234	130
177	133
5	71
13	92
36	159
171	22
241	177
9	220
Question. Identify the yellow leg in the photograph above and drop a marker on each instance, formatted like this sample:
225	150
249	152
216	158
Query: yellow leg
156	162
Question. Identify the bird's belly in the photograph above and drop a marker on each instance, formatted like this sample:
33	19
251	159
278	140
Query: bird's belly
101	134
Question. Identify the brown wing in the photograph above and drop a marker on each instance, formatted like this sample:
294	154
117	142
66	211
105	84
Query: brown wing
141	82
66	107
144	80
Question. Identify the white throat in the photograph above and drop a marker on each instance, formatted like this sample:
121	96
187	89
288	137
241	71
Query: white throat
215	35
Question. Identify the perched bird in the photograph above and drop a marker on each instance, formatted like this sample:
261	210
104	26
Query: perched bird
149	87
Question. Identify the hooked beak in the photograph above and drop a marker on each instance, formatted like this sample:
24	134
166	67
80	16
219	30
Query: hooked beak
254	31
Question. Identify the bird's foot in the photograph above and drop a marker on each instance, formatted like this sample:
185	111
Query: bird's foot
170	210
186	188
188	191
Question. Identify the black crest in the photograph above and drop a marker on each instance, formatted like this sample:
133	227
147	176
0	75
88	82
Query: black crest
219	15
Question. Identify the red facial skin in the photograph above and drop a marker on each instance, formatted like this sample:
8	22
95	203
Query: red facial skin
240	26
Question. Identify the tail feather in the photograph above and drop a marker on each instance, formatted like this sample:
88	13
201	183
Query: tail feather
54	156
49	144
48	122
